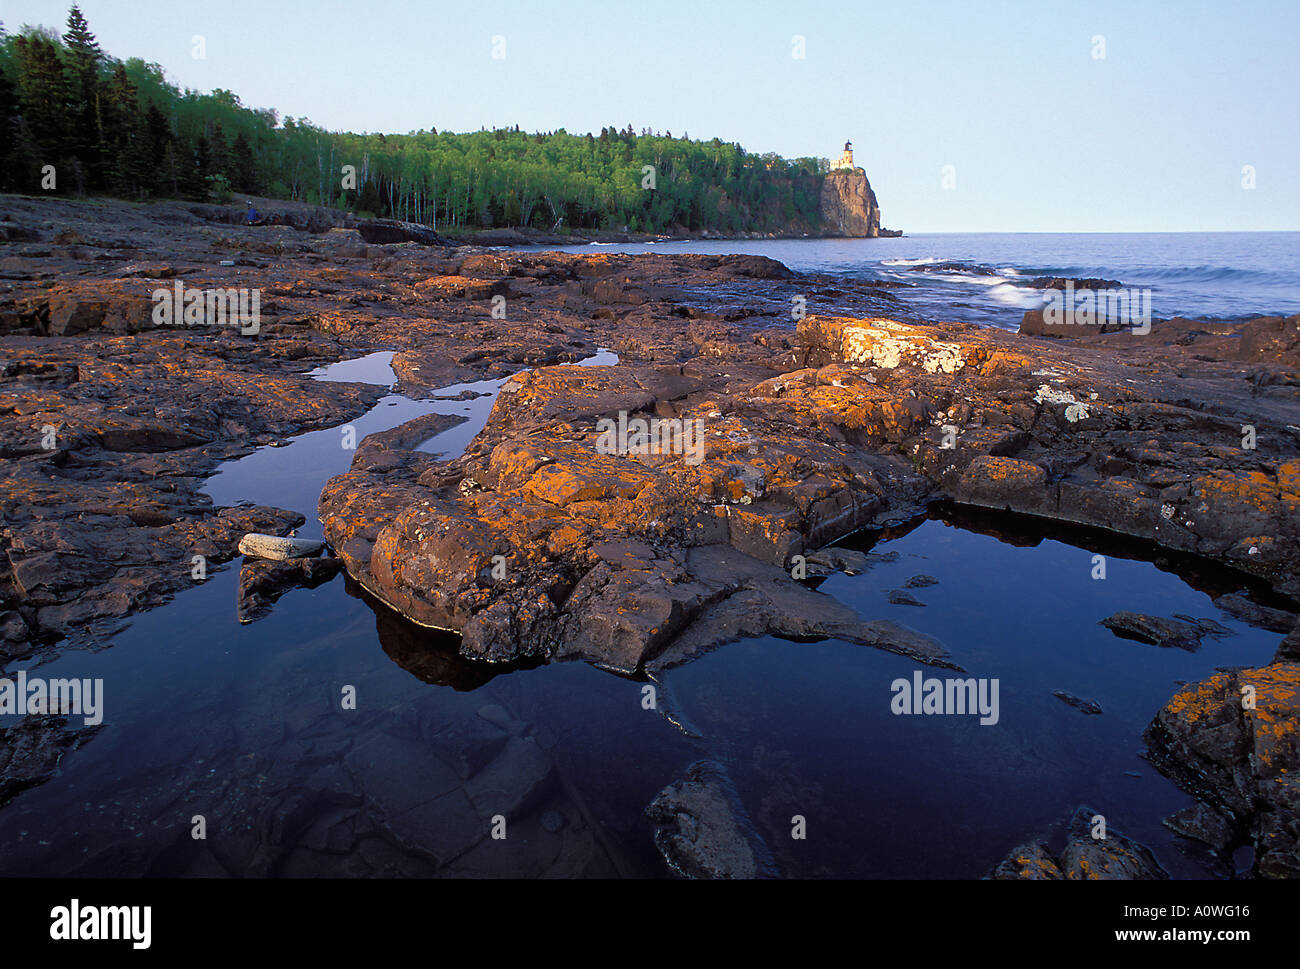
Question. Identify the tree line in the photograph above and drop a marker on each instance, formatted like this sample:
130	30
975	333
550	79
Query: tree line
121	128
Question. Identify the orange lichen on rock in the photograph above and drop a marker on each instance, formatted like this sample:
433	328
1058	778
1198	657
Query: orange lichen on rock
1234	741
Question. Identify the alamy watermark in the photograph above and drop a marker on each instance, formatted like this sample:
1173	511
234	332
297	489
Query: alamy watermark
79	698
75	922
180	306
953	696
658	435
1091	307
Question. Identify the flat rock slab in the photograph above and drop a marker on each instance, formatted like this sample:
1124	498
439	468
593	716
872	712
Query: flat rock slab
1252	613
507	785
701	830
397	774
277	547
1154	630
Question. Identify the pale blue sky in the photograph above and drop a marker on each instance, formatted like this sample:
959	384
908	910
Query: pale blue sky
1042	136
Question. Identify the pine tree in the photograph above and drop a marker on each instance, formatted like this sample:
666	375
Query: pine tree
81	42
244	167
131	170
195	168
170	171
44	97
219	150
160	133
85	59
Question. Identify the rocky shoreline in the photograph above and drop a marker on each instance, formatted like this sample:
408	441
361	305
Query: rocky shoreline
540	541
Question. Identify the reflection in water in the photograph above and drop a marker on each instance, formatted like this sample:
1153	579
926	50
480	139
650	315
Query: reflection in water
1025	531
430	655
244	726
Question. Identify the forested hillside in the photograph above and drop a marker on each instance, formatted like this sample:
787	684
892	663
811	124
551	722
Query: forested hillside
121	128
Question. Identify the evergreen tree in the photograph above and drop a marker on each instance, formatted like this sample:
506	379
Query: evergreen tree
197	168
131	170
160	133
43	98
85	59
243	167
219	152
170	171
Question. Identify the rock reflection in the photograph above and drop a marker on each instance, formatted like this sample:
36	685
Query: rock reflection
430	655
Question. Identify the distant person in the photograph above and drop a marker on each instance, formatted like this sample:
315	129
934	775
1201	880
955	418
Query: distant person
251	217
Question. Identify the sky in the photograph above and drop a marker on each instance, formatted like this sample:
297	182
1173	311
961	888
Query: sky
1134	116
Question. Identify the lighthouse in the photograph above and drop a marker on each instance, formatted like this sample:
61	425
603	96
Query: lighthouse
846	158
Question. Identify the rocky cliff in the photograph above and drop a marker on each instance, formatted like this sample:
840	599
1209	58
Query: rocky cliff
848	205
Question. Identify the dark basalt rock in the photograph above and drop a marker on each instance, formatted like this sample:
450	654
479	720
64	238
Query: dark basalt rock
382	231
607	557
701	829
794	459
1254	614
811	433
1031	861
263	581
1289	649
1202	823
1112	858
1091	707
1166	633
1060	282
1231	742
31	749
1084	858
1206	627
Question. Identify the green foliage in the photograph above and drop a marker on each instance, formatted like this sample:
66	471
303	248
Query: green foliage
125	129
219	189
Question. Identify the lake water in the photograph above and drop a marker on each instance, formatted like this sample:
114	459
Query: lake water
982	278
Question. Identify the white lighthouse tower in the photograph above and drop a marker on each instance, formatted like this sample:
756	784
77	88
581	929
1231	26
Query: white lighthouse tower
845	162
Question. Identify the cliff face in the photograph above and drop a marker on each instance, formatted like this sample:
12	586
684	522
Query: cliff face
849	206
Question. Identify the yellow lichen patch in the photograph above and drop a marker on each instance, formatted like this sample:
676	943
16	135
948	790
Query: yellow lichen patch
1002	469
1275	718
999	361
1251	491
1124	485
1198	701
565	483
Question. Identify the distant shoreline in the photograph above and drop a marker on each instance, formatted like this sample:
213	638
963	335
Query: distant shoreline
538	237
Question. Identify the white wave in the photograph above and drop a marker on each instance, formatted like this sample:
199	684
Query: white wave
1011	295
925	261
969	278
